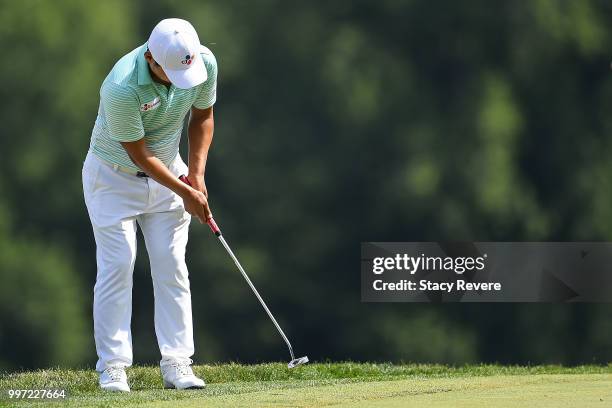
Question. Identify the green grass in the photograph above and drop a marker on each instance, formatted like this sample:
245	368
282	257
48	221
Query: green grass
337	384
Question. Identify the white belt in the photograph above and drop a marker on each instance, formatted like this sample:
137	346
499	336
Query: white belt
128	170
123	169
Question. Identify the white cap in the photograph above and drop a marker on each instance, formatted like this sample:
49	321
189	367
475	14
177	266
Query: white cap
175	46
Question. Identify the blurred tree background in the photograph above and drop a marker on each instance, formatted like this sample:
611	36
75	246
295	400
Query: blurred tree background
336	122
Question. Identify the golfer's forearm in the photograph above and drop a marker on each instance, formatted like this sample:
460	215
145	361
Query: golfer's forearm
200	132
154	167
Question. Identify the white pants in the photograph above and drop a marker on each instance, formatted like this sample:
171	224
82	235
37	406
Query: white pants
116	201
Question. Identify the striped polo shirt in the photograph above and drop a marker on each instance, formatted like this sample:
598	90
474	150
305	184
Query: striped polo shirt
133	106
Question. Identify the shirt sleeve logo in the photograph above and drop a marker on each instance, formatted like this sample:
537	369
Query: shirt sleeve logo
150	105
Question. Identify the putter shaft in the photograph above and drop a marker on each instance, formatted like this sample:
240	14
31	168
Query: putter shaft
263	304
217	231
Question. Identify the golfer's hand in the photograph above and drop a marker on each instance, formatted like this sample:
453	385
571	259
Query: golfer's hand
197	182
196	204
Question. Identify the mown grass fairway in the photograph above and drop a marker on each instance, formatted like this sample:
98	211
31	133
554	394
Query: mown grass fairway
338	385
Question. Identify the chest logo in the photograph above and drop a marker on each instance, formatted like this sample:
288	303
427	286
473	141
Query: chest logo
150	105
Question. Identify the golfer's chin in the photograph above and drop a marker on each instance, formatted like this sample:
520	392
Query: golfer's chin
162	77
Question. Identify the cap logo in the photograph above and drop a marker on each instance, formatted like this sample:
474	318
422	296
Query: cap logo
188	59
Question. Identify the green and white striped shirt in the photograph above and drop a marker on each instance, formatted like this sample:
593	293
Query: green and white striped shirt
133	106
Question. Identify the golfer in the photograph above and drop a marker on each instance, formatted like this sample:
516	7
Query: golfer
130	177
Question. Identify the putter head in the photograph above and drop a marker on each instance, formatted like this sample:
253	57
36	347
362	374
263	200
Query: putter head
297	362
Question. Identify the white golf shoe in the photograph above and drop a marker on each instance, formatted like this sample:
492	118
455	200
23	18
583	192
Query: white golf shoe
114	379
178	374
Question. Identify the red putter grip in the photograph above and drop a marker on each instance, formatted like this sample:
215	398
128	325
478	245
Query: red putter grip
184	179
211	222
213	226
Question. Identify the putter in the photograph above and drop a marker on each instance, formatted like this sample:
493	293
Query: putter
217	231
